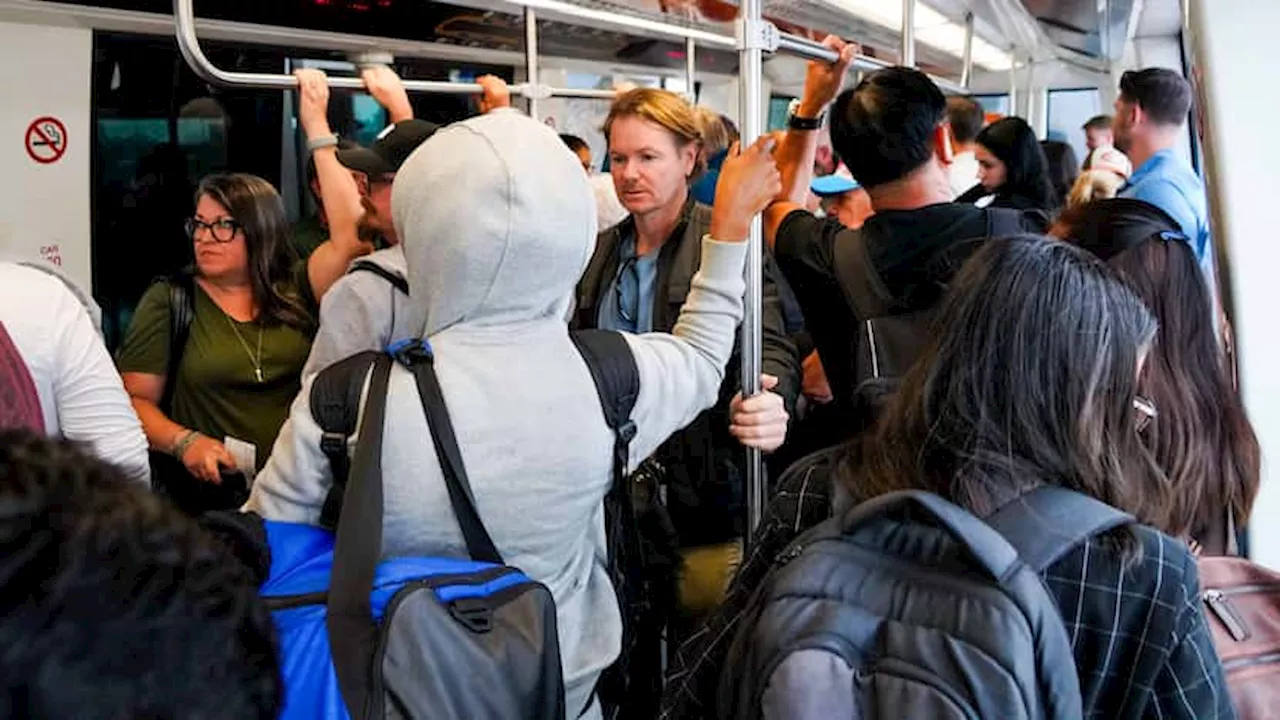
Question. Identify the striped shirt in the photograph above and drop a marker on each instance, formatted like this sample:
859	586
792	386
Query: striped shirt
1139	636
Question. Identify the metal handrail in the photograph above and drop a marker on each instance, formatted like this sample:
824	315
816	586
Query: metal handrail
189	46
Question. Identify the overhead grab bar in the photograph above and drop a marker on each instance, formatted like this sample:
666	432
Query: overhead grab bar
189	46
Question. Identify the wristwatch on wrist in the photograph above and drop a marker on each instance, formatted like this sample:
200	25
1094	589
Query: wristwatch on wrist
795	122
314	144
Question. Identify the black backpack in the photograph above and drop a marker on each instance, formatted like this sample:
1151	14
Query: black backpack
908	606
335	405
892	333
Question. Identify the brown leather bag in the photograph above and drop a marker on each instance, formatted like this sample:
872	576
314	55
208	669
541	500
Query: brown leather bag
1242	600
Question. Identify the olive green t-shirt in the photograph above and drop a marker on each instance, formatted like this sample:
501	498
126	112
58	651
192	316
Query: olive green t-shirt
217	391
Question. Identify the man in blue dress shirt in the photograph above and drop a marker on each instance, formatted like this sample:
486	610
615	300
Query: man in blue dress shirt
1150	114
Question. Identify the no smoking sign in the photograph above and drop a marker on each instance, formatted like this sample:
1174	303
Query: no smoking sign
46	140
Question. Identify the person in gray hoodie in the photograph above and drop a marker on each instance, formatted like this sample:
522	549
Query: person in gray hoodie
365	310
498	222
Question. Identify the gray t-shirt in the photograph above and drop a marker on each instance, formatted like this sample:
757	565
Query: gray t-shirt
362	311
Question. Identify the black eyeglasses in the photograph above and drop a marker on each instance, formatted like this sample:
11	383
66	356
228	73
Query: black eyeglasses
1146	412
223	231
624	312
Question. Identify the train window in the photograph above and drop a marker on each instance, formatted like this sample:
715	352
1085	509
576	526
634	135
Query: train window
779	111
1069	110
994	104
159	129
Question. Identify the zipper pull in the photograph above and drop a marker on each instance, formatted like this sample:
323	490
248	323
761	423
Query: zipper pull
788	555
1230	619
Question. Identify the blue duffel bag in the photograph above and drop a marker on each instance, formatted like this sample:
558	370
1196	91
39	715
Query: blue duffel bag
414	637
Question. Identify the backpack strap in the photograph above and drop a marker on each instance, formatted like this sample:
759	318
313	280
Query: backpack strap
335	406
860	283
353	634
1004	222
617	379
1048	522
396	279
182	312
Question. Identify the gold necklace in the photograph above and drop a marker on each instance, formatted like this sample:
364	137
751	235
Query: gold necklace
257	361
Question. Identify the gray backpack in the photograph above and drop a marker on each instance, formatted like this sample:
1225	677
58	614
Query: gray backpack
908	606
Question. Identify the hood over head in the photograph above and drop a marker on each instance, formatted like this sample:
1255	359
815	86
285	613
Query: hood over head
497	221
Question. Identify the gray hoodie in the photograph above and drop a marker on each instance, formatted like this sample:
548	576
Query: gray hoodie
498	222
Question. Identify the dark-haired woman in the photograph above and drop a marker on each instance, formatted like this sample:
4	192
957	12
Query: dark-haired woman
1201	439
254	316
1063	166
1012	169
1030	379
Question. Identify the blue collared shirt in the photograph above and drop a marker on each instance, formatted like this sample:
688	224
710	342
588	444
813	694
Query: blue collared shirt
626	303
1171	185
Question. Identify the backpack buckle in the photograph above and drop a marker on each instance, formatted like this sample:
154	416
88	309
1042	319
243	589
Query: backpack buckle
627	432
411	352
475	614
332	443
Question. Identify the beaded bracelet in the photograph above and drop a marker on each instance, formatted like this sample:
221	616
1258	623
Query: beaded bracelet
180	447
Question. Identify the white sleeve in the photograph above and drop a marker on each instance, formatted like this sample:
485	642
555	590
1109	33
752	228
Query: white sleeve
681	373
92	404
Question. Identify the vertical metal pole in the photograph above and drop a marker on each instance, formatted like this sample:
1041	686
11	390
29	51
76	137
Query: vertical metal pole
966	69
750	77
531	60
909	33
690	68
1013	86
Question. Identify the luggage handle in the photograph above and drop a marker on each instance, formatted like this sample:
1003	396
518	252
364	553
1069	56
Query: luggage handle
984	544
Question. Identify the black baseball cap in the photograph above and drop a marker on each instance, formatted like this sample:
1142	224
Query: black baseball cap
389	151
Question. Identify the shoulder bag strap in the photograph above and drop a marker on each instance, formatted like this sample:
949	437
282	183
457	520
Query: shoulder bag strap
182	313
417	356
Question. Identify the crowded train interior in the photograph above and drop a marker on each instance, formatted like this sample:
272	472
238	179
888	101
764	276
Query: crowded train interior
638	359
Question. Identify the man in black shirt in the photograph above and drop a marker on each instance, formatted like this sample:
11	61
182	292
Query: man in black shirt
892	134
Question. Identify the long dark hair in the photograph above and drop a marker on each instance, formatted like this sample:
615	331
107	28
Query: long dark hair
1202	438
1064	167
256	205
1029	378
1013	141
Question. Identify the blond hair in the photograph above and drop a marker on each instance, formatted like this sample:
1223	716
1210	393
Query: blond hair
1094	185
661	107
715	136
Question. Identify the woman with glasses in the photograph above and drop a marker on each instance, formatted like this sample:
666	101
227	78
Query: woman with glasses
211	406
1200	437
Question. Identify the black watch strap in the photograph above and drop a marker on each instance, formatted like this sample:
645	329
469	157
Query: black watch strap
802	123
